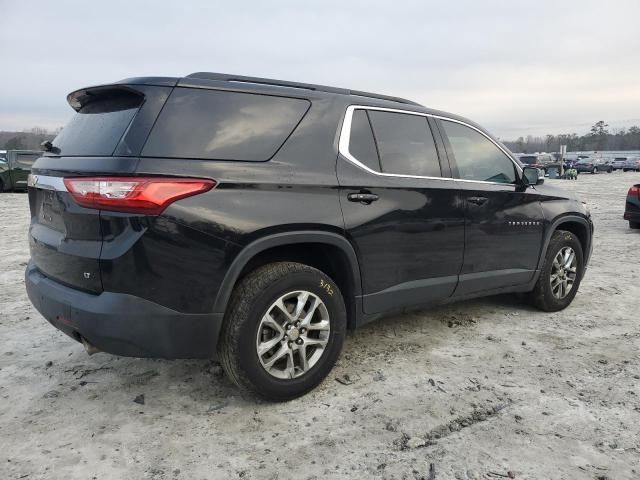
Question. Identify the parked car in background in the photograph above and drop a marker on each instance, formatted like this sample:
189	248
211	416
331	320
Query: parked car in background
14	172
3	155
256	220
632	164
538	160
593	165
619	163
632	206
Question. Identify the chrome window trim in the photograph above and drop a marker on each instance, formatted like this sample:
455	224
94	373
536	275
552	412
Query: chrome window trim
45	182
345	136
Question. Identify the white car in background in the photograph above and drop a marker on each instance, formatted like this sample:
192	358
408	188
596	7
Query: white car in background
619	163
632	164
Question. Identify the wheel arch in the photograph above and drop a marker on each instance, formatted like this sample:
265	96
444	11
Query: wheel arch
575	224
327	251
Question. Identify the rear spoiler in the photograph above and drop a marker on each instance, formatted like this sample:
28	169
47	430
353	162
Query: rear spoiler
79	98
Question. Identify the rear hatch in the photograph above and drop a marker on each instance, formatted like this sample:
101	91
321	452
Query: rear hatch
103	138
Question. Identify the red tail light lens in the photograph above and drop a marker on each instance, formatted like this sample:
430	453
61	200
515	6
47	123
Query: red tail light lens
144	195
635	190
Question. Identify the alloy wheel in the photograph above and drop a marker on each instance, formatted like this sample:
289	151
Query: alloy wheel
564	272
293	334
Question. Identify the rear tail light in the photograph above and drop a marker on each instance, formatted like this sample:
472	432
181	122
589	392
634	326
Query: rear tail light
144	195
635	190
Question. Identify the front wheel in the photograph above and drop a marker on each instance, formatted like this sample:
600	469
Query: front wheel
561	273
595	170
283	331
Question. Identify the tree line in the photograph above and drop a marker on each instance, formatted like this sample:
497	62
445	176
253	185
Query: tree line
597	139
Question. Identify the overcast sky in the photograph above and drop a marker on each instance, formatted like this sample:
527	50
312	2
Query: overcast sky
517	67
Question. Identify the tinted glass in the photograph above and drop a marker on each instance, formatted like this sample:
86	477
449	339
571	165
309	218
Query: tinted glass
405	144
27	159
528	160
98	126
477	157
361	143
213	124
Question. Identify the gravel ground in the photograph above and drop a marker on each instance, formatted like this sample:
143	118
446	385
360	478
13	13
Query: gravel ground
482	389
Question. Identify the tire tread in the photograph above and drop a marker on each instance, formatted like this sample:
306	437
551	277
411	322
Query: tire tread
238	312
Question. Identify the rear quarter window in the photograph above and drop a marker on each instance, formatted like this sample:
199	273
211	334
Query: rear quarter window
221	125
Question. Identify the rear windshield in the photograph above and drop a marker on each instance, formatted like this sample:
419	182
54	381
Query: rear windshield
528	160
98	126
213	124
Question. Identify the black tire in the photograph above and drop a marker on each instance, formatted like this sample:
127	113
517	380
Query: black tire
594	171
541	296
624	169
249	302
634	225
1	186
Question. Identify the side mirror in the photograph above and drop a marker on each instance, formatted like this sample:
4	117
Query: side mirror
531	176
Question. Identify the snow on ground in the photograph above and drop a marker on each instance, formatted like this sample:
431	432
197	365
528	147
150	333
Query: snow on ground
487	388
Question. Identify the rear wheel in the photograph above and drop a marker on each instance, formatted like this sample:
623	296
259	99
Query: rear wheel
283	331
561	273
1	186
634	225
595	170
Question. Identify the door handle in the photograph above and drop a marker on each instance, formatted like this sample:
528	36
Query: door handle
362	197
477	200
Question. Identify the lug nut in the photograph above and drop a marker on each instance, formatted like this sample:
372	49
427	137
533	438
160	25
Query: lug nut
303	330
290	344
289	326
297	324
299	341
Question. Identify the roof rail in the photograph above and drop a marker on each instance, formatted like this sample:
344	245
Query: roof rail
226	77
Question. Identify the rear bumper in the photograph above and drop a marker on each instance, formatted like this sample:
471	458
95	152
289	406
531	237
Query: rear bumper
123	324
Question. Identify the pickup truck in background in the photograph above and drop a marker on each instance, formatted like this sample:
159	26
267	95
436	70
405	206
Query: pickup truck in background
15	168
538	160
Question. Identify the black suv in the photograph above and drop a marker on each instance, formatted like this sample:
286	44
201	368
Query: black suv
255	221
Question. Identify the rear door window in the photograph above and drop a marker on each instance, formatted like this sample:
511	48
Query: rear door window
405	144
97	127
221	125
362	145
